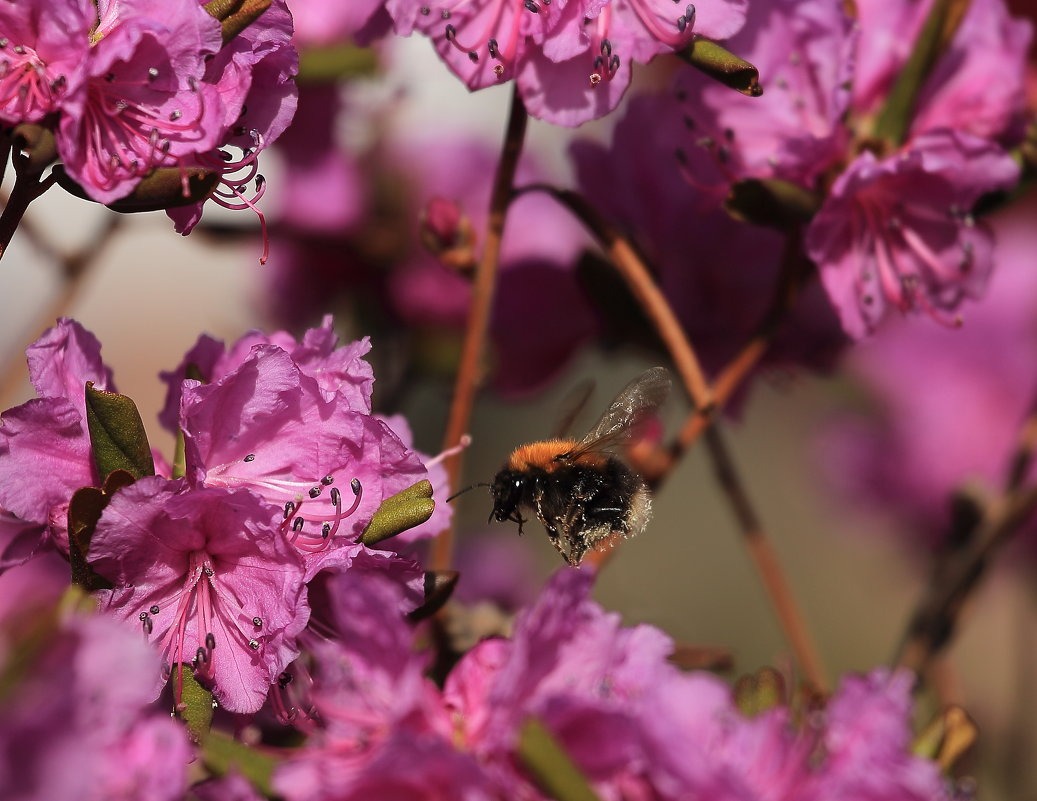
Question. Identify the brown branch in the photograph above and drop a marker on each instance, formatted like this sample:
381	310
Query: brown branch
977	533
644	289
766	561
659	311
479	312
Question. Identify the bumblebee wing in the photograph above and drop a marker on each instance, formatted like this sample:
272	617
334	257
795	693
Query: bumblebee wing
638	399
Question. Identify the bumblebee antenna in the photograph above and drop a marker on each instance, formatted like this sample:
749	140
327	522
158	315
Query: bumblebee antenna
462	492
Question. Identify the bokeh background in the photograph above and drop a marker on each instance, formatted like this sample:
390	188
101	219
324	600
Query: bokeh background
147	293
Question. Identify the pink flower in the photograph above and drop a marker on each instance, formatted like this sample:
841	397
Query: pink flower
317	461
42	60
921	380
721	289
76	724
372	699
144	103
804	49
209	579
898	232
254	77
570	58
45	451
976	87
337	369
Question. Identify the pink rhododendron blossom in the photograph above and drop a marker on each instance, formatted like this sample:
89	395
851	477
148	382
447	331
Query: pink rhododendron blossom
45	452
923	382
975	87
722	288
76	724
43	57
570	58
267	426
210	580
253	75
339	370
804	50
145	104
369	691
898	232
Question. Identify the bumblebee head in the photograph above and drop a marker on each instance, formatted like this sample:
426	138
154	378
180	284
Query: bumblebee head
507	490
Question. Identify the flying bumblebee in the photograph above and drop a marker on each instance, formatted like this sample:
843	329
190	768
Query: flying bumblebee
584	495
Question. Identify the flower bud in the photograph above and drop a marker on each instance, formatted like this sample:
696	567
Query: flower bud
447	233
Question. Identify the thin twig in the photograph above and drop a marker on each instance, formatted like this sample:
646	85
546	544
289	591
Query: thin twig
659	311
26	189
645	290
479	312
766	561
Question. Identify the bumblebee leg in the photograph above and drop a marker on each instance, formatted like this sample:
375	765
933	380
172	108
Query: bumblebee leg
550	524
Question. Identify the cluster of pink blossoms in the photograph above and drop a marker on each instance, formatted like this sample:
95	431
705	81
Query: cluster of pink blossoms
633	724
284	467
895	228
246	569
135	85
570	59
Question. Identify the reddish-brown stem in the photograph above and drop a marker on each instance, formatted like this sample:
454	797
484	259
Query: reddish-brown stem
479	312
935	618
26	189
637	276
644	289
766	561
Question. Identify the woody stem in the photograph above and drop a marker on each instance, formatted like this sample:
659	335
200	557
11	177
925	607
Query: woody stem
468	373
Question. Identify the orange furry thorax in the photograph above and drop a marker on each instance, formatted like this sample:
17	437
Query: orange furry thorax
543	455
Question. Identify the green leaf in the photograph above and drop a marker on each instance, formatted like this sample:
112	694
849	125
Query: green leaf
195	708
84	510
335	62
162	188
221	754
724	66
404	510
771	202
117	434
940	26
554	772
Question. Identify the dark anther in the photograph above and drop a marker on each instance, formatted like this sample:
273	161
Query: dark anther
327	480
451	33
253	644
210	641
143	615
314	492
289	508
297	524
355	486
614	64
325	530
250	458
154	609
201	656
532	6
257	622
473	56
336	496
284	679
494	49
606	48
425	11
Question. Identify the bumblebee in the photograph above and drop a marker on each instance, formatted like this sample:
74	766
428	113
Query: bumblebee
582	493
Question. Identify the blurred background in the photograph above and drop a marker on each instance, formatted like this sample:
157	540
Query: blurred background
147	294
